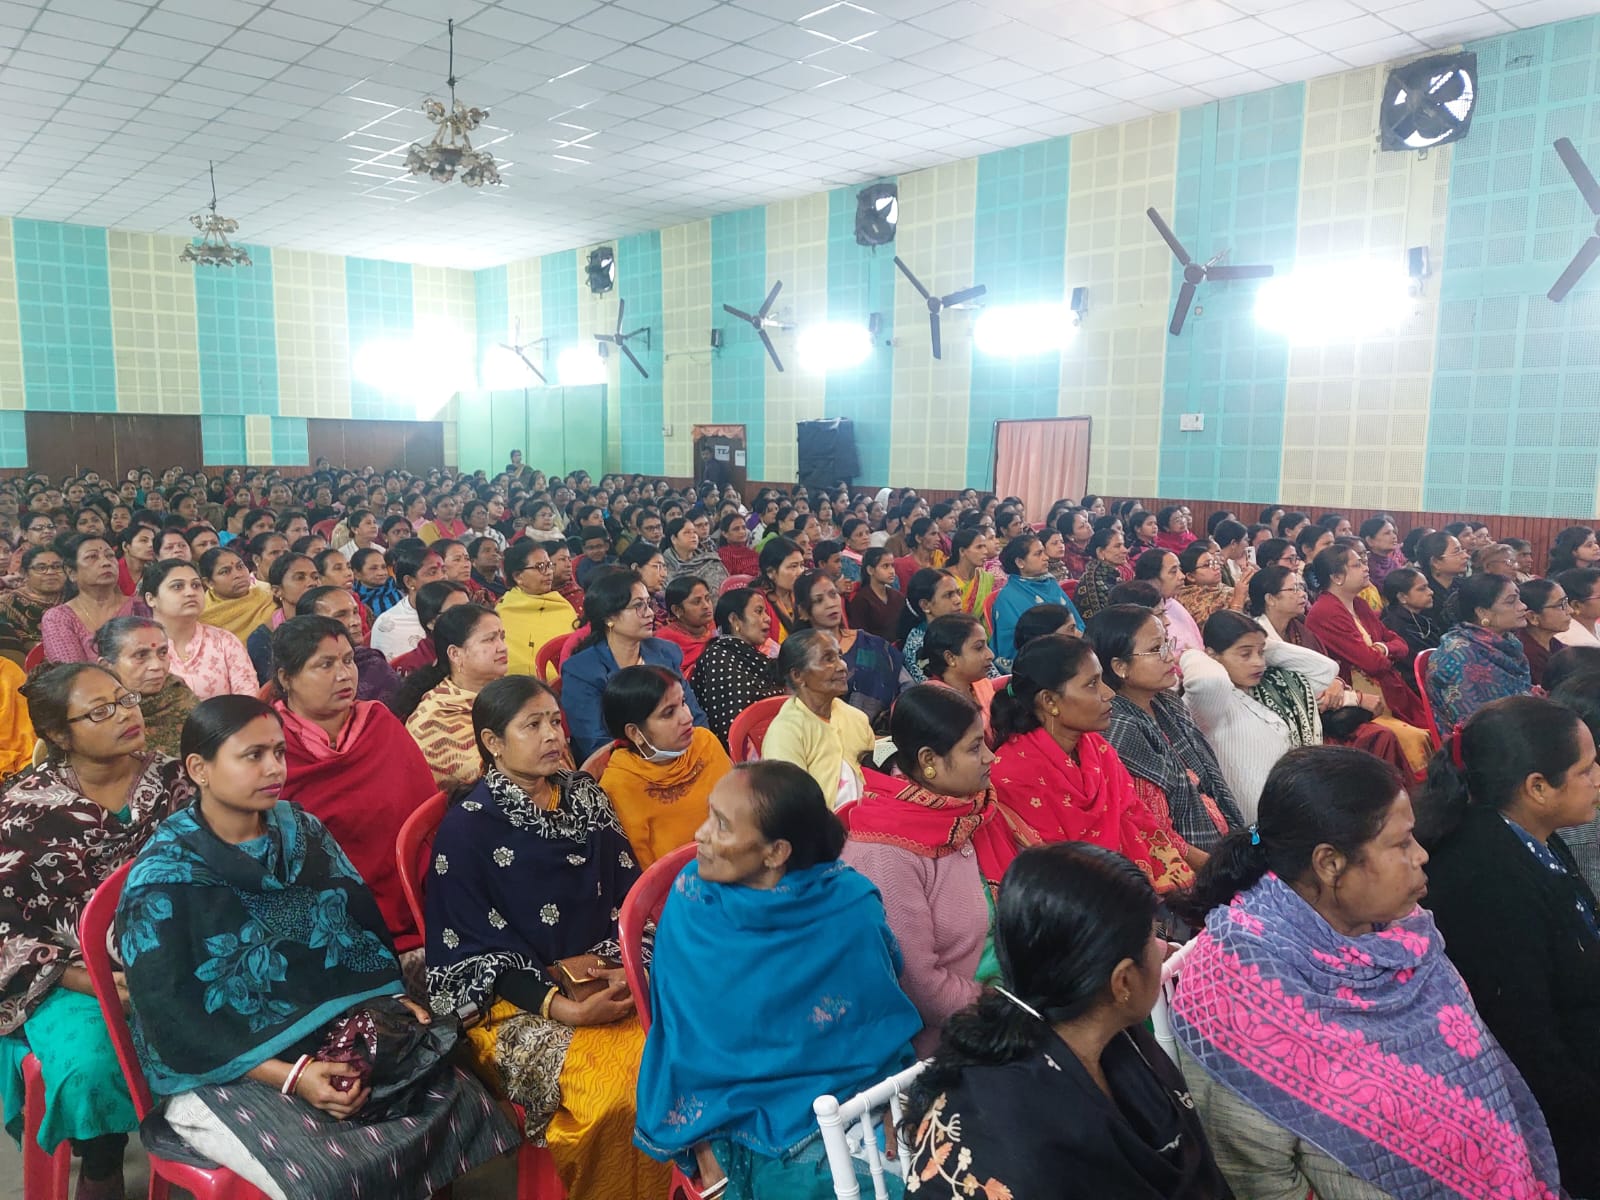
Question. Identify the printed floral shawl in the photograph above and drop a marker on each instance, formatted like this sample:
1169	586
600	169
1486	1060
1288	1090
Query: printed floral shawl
1368	1047
56	847
1471	667
239	954
1086	799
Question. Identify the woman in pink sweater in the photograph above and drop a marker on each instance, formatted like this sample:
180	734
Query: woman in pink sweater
933	840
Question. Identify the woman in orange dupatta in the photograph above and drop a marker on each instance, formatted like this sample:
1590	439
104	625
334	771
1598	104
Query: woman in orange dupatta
1057	775
351	764
936	844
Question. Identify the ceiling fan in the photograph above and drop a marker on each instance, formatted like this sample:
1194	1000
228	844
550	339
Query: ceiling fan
761	320
1194	274
520	348
620	340
1590	250
938	303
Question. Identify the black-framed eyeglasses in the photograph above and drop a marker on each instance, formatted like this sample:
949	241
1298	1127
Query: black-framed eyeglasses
104	712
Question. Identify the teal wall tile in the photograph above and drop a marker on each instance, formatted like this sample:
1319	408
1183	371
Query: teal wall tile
377	306
861	283
643	408
738	370
237	335
1514	424
493	308
1019	252
64	308
558	302
13	439
1238	189
289	442
222	439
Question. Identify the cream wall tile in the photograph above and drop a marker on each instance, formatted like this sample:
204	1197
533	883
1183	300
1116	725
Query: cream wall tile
153	324
929	403
797	253
11	393
1113	371
258	440
686	321
308	297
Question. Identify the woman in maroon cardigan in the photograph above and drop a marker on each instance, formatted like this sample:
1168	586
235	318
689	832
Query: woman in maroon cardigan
1354	635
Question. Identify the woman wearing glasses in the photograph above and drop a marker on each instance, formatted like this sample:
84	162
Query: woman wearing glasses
66	825
1549	614
621	620
1174	770
532	610
44	578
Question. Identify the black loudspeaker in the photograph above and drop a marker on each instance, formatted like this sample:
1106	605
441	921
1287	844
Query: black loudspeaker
827	452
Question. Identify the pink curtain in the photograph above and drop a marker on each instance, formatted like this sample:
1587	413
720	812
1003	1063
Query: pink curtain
1042	461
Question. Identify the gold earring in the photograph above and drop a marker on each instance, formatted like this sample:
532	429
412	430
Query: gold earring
928	772
1054	711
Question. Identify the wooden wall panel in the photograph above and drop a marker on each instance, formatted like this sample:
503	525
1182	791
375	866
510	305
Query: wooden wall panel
112	443
415	446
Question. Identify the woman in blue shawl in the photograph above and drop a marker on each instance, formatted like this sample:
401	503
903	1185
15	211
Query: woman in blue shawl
769	913
266	996
1028	582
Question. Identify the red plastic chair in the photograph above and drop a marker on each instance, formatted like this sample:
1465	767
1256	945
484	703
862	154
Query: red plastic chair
547	659
33	658
643	905
1419	668
734	581
44	1176
324	529
203	1183
537	1178
749	728
595	764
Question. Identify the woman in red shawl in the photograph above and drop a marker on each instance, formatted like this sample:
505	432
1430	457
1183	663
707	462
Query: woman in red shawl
1057	775
936	844
352	765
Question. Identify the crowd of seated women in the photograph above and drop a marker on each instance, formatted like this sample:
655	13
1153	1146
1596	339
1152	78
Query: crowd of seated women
1007	768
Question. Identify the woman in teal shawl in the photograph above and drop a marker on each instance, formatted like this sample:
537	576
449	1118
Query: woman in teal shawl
1028	583
768	913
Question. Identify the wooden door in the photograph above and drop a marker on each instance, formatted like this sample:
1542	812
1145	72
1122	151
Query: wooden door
61	444
140	440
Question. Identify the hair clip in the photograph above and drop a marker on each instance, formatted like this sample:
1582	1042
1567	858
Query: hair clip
1255	835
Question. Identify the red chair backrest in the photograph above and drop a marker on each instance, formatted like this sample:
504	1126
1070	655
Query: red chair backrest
595	764
643	905
734	581
33	658
94	926
547	660
1419	667
750	727
412	847
1070	587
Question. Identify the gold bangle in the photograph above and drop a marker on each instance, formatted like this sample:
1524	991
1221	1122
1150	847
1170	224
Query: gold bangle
549	998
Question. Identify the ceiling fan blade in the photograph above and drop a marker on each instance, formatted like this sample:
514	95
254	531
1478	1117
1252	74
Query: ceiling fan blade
915	282
621	306
961	297
636	332
766	305
637	365
772	350
1226	272
1170	238
933	329
743	316
1581	175
529	363
1580	263
1180	313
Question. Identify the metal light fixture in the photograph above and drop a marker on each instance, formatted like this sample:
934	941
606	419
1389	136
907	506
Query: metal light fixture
451	150
214	249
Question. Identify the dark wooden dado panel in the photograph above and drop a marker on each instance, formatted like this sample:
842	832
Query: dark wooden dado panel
112	443
415	446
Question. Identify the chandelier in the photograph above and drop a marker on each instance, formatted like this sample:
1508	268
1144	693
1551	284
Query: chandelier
214	249
451	150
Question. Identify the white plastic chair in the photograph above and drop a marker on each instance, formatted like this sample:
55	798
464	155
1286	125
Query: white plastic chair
850	1130
1161	1014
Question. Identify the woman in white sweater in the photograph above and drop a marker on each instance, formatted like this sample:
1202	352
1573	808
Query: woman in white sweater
1254	699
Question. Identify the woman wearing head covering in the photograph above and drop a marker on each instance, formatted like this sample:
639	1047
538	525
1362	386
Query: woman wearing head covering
726	1099
528	874
1315	952
1062	1034
263	990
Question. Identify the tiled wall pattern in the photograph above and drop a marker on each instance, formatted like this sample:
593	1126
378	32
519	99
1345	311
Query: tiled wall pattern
1486	399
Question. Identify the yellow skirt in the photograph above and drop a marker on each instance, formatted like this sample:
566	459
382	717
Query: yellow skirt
587	1118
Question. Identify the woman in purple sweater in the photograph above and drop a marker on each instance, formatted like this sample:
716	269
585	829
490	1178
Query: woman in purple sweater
933	840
